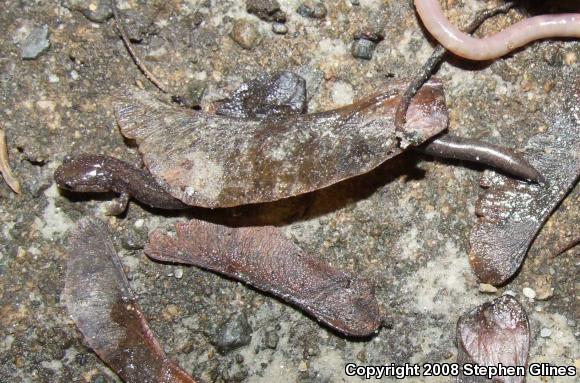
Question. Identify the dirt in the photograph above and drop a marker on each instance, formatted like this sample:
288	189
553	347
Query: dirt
404	226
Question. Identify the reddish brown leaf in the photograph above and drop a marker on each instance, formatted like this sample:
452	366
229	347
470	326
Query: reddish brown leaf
263	258
494	333
512	212
99	300
219	161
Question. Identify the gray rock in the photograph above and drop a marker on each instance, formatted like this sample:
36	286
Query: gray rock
312	9
35	43
313	77
267	10
279	28
363	49
245	34
271	340
96	11
234	333
134	239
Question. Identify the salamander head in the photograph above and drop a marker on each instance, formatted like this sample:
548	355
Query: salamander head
84	173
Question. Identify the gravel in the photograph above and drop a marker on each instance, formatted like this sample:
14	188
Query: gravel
404	226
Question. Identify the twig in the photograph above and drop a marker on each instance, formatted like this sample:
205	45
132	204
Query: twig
567	246
150	76
5	166
430	67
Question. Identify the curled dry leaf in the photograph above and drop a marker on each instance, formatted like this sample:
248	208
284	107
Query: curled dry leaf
512	212
99	300
497	332
266	260
215	160
5	166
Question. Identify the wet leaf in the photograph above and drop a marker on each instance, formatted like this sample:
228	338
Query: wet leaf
493	333
512	212
99	300
221	161
266	260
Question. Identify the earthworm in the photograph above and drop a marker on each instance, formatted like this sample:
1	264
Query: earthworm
500	44
435	60
459	148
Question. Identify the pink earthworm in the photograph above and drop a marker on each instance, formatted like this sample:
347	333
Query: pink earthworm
500	44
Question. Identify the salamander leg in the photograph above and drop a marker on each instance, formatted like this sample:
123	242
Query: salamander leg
118	205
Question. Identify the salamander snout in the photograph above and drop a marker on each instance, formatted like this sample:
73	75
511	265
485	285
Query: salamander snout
83	173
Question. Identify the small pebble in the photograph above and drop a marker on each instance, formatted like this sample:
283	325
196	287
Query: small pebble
312	9
545	332
170	312
279	28
97	11
53	79
234	333
134	239
354	2
245	34
267	10
178	273
139	223
529	293
35	43
376	35
363	49
570	58
302	366
313	77
74	75
487	288
271	340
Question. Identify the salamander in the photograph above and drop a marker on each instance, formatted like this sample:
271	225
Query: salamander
96	173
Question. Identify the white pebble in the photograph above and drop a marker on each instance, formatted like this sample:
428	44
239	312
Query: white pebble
139	223
178	273
53	79
74	75
529	293
545	333
487	289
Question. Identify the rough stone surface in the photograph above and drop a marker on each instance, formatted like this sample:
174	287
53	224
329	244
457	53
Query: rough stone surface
312	9
95	10
35	43
405	226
